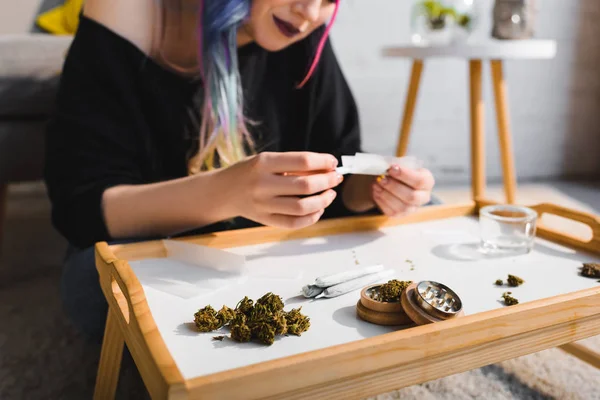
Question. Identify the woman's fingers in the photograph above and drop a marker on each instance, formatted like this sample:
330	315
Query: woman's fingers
279	185
417	179
406	194
291	162
292	222
296	206
388	203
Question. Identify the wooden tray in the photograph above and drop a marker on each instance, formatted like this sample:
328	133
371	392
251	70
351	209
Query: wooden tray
342	356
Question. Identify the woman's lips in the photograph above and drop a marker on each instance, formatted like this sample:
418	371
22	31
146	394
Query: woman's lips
286	28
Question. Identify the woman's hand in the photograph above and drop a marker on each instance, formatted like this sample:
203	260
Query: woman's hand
288	190
402	191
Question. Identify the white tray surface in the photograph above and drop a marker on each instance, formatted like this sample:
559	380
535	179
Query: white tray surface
441	250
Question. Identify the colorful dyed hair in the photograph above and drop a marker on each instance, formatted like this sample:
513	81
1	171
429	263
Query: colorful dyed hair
224	137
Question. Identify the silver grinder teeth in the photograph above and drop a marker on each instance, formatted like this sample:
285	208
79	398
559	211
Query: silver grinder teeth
437	299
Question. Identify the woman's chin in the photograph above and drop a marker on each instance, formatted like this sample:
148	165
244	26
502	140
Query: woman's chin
274	40
274	45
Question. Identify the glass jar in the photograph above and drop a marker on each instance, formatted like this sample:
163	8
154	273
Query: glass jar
442	22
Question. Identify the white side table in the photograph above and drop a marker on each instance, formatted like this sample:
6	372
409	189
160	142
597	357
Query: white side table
496	51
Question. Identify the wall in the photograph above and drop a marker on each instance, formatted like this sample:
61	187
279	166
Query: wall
554	104
16	16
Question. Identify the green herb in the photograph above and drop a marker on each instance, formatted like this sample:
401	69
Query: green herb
296	322
261	321
244	305
219	338
514	281
590	270
390	291
206	319
239	331
499	282
509	300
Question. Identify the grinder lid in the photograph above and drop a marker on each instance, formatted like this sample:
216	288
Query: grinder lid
426	302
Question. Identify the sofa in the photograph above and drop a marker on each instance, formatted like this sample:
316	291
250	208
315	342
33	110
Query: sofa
30	65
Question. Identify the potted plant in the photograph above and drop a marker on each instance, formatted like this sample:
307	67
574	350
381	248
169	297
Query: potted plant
437	22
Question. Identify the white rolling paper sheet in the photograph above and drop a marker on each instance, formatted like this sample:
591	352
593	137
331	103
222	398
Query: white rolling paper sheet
373	164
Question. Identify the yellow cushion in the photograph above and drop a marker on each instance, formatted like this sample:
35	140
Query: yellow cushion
62	20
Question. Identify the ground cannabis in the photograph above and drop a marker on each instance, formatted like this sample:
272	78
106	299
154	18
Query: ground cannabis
514	281
509	300
261	321
590	270
219	338
390	292
499	282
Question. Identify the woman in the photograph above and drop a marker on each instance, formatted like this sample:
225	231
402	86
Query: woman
187	116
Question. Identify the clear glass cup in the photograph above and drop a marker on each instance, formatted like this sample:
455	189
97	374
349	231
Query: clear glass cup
507	228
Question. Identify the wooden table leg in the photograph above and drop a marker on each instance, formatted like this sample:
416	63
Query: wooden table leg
110	360
409	107
477	130
583	353
504	134
3	201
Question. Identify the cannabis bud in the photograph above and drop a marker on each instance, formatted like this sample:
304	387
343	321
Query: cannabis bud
206	319
240	333
262	321
499	282
391	291
591	270
509	300
244	305
296	322
225	315
264	332
272	302
514	281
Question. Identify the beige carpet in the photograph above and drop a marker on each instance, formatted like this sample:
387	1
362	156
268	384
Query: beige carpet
42	357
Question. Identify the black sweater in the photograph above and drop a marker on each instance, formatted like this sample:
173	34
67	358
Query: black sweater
122	118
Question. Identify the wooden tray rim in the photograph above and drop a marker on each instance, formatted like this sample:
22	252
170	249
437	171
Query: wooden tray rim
163	378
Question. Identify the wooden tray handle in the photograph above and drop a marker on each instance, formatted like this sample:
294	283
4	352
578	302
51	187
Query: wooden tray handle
592	245
120	294
586	218
128	305
119	284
